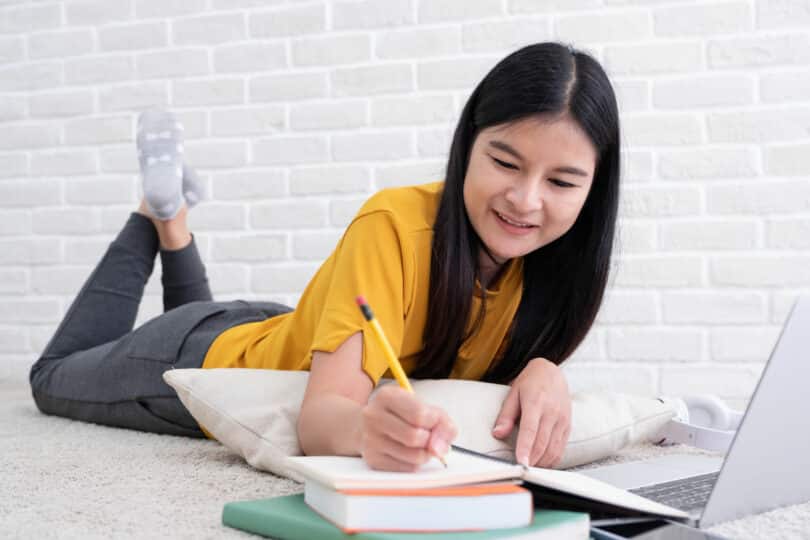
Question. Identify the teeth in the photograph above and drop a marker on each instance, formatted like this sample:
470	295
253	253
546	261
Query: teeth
509	221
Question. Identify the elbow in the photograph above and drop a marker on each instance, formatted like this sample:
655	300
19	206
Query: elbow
304	441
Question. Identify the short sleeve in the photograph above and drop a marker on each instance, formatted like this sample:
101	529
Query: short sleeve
373	259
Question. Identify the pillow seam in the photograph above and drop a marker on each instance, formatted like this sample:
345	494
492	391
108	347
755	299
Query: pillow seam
230	417
625	426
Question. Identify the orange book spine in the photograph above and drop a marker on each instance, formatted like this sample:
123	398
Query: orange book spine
473	490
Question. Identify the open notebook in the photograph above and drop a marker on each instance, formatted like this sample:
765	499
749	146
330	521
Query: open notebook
342	473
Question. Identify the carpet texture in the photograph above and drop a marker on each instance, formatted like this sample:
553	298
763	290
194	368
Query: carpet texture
68	479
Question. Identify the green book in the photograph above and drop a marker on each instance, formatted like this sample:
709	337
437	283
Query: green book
289	518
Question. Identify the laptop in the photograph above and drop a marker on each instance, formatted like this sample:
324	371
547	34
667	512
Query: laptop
768	462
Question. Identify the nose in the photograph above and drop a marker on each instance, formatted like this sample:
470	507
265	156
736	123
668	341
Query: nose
526	198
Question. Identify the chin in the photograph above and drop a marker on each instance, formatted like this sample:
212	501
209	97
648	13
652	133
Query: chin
505	255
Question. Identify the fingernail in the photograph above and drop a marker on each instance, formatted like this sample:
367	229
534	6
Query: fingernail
498	427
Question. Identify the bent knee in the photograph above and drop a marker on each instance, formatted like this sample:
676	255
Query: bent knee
37	378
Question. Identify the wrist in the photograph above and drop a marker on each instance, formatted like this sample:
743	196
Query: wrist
543	361
356	433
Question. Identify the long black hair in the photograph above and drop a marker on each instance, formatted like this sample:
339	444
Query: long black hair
563	281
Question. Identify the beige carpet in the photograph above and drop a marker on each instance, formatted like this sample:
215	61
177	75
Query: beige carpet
67	479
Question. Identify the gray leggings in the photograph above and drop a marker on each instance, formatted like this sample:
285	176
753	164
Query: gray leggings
96	368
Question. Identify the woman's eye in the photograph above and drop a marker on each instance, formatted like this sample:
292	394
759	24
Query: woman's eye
504	164
560	183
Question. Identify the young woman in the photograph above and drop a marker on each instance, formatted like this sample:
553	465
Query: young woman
494	274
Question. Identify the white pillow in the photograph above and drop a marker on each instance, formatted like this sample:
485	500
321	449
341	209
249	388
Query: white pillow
254	413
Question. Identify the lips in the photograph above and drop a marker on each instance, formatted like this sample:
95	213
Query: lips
514	222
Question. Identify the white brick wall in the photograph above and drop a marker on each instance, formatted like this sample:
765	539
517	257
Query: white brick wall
295	112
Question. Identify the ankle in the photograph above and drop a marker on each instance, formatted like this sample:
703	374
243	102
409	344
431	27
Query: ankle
173	233
174	242
144	210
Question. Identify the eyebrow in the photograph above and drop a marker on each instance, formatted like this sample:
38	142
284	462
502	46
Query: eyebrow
500	145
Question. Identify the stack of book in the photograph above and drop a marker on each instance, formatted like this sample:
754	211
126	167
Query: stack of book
290	518
459	508
474	497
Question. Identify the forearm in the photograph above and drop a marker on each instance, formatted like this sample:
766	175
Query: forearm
330	425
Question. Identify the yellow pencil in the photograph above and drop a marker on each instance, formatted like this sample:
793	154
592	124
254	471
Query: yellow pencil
390	356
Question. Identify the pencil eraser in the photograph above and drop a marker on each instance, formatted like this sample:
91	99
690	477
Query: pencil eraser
360	300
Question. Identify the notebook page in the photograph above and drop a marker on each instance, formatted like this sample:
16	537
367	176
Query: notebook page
353	473
585	486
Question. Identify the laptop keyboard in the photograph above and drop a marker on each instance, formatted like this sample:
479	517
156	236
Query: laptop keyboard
685	494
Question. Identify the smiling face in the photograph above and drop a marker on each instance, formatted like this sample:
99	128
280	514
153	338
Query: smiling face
526	183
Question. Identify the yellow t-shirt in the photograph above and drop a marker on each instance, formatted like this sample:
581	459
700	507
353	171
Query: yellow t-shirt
383	255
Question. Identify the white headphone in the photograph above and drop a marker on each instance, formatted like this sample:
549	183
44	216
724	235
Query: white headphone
702	421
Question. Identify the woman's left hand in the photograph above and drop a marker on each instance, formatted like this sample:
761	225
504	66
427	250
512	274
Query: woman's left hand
539	398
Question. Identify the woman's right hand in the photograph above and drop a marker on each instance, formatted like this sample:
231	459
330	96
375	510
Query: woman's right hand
400	432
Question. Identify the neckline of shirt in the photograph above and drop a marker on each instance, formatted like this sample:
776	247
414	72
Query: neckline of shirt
515	266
